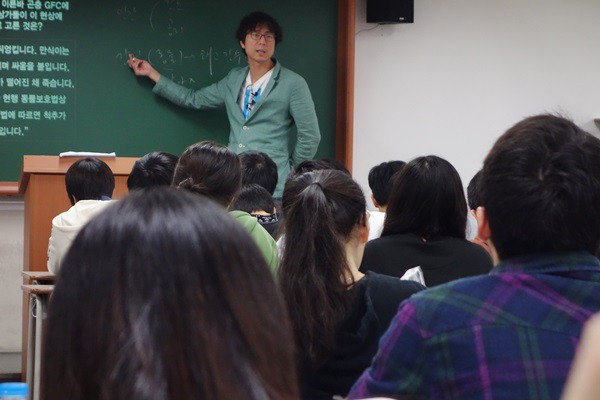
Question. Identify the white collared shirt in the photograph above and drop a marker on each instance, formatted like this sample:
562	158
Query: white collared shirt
260	84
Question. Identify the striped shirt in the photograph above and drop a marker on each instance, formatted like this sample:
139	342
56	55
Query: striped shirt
511	334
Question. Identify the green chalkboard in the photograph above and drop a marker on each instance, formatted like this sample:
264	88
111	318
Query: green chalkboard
65	85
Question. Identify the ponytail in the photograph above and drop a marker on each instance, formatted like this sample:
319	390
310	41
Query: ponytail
322	209
209	169
189	185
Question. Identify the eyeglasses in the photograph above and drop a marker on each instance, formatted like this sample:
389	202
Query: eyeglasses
269	37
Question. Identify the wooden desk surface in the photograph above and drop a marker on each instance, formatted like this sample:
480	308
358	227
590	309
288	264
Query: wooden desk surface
38	275
120	166
37	289
9	189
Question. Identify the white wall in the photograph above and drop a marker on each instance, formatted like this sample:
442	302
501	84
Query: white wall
465	71
11	265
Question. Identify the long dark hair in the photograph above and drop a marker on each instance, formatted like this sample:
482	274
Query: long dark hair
322	210
428	200
164	296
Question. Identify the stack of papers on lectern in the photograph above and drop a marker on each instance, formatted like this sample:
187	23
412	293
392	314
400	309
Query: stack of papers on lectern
86	154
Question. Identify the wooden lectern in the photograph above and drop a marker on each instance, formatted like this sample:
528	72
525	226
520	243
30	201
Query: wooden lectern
42	182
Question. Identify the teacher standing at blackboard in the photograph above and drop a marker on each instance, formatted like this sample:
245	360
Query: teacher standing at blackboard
265	102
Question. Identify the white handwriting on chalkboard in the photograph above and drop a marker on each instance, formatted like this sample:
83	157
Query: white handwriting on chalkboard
11	131
6	115
30	15
36	99
50	83
16	50
30	66
166	15
15	98
170	61
128	13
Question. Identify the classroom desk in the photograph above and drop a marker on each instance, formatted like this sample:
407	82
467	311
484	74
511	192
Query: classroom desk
38	295
38	277
42	183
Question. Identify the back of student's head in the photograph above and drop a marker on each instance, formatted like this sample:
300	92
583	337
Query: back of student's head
323	210
89	179
153	169
427	200
209	169
335	164
259	168
254	197
473	192
541	188
380	180
164	296
317	165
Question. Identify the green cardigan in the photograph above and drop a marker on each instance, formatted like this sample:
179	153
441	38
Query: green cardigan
285	107
261	237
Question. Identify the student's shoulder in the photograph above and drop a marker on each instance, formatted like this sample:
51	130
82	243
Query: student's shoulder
386	293
475	252
453	305
391	240
251	224
386	284
80	213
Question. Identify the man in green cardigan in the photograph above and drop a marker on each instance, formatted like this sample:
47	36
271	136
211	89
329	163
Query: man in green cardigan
265	102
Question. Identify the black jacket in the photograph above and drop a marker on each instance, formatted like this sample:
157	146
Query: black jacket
376	303
442	259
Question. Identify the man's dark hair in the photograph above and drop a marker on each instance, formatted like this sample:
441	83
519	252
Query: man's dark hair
89	179
473	192
380	180
259	168
254	197
255	20
209	169
317	165
427	200
540	186
153	169
335	165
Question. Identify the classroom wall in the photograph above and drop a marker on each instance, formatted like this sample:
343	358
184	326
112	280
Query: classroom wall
11	265
465	71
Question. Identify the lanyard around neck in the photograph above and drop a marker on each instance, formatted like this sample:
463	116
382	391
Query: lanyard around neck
250	99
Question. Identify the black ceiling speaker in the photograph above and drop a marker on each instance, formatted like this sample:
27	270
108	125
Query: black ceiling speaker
390	11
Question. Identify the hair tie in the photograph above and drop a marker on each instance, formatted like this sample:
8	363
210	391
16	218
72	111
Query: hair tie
187	183
318	184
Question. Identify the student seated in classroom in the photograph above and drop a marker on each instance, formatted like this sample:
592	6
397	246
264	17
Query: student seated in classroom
256	201
474	200
165	296
152	170
302	168
90	184
338	313
258	168
214	171
511	334
380	182
425	227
